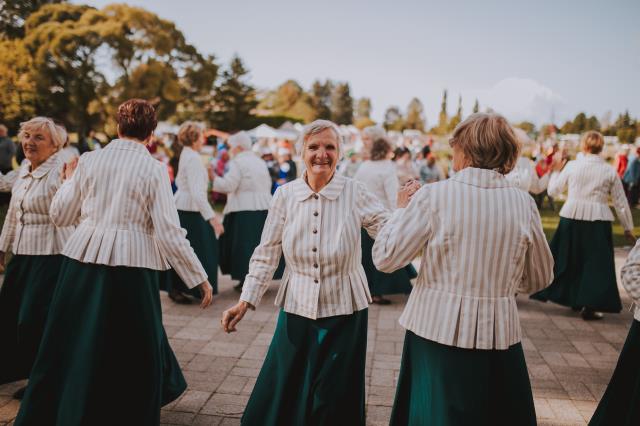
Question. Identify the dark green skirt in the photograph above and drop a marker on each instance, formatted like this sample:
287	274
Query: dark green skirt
25	296
584	270
443	385
205	244
313	373
242	232
620	404
104	357
380	283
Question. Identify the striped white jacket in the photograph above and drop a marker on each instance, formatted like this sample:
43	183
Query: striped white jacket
122	197
192	181
319	234
27	228
630	277
482	241
591	181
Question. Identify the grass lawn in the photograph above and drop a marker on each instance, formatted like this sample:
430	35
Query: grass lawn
550	221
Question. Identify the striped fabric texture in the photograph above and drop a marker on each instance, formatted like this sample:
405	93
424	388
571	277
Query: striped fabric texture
122	197
319	234
525	177
192	182
7	180
482	241
28	229
591	181
380	178
247	184
630	277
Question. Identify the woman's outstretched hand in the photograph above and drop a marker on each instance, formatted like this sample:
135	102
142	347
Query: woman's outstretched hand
232	316
406	192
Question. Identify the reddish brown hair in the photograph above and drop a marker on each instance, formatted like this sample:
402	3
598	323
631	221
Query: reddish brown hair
136	119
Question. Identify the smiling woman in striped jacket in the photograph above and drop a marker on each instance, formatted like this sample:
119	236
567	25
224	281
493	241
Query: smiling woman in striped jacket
482	241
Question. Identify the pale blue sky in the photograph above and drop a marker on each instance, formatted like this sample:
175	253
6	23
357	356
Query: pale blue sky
528	60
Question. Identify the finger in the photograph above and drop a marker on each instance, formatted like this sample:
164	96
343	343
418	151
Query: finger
235	321
226	317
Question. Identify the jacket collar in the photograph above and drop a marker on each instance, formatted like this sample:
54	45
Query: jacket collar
128	145
482	178
591	158
331	191
44	168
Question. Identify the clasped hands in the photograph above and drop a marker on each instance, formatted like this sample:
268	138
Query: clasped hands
406	192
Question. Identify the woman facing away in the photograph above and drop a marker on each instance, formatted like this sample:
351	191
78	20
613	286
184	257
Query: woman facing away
481	240
104	344
582	246
35	242
314	370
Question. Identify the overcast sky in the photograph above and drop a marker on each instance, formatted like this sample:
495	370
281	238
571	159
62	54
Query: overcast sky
530	60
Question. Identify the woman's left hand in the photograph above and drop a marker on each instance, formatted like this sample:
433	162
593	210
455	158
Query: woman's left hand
406	192
69	168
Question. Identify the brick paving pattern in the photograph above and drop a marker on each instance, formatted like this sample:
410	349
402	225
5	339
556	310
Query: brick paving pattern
570	361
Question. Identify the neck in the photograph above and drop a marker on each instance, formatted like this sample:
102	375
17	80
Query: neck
317	182
132	139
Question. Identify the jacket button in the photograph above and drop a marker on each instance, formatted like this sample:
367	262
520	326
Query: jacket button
315	196
315	249
315	213
315	281
315	231
315	265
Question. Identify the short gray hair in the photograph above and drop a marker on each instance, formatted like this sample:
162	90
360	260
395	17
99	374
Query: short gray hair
57	133
316	127
374	132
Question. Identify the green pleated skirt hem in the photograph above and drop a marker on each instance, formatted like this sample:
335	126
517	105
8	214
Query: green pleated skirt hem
206	246
584	270
620	404
104	358
26	293
381	283
242	232
313	373
443	385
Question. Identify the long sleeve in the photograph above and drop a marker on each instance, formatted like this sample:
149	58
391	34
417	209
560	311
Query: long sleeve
391	186
266	256
372	213
621	204
630	274
230	182
66	204
407	231
539	184
170	236
9	228
197	188
558	182
7	180
538	267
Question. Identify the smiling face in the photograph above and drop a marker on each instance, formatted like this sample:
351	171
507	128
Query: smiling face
37	146
320	153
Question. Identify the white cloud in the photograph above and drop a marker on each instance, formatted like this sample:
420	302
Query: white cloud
521	99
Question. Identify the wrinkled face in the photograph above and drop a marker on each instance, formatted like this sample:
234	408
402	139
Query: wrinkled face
320	153
37	146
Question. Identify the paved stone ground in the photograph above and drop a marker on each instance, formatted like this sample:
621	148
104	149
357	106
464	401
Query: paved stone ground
570	361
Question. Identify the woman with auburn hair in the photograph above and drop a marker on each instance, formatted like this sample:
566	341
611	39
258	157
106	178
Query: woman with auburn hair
481	241
378	174
195	213
35	242
582	246
104	344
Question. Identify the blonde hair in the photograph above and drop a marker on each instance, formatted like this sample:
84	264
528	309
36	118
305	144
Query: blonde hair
487	142
57	133
189	133
316	127
592	141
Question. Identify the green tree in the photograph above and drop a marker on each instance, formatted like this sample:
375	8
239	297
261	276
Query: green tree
321	99
393	119
234	99
626	128
17	86
363	108
456	119
592	123
443	118
342	104
13	15
415	116
289	100
476	106
528	127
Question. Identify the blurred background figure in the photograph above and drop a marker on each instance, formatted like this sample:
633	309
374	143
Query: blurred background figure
404	166
430	171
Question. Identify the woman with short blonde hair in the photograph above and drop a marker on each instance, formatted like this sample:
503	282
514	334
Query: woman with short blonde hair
582	246
481	241
36	243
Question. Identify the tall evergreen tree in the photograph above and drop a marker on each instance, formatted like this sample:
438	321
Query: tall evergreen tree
321	99
415	116
458	117
476	106
443	118
393	119
342	104
363	109
234	99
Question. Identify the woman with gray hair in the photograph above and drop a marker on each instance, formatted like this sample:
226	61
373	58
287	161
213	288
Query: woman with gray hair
248	188
314	370
36	243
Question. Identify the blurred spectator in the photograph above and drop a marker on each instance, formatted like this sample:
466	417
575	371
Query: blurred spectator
430	171
287	167
7	150
631	180
404	165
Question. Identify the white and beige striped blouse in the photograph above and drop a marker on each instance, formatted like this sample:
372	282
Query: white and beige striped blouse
123	198
7	180
482	241
28	229
525	177
192	182
381	179
591	181
319	234
630	277
247	184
